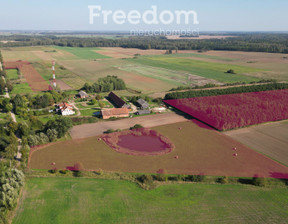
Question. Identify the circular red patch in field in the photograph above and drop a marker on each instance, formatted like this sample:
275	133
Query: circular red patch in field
141	142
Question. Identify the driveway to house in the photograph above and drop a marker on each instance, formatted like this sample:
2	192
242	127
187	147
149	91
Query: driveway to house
148	121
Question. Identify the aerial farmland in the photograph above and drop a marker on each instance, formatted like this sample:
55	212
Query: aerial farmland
139	115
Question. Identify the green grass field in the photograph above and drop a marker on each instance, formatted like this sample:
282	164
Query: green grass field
45	118
205	69
198	55
89	111
12	74
22	88
71	200
83	53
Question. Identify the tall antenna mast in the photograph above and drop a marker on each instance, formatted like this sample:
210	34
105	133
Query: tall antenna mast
54	76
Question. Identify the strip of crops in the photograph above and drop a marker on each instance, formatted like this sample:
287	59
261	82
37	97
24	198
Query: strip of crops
236	110
234	90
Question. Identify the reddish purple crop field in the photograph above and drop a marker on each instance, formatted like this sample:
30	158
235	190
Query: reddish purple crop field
236	110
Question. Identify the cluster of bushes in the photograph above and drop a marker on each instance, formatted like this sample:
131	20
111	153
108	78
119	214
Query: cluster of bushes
215	92
77	170
47	99
133	99
43	138
147	181
106	84
83	120
11	182
136	126
111	131
53	130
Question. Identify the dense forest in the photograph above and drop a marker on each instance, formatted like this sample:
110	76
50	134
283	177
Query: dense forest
257	42
233	90
105	84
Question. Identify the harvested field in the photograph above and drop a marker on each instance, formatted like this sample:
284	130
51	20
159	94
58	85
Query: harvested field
89	130
93	70
62	85
198	150
118	52
172	77
270	139
230	111
33	78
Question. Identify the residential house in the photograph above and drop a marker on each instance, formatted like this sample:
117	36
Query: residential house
65	109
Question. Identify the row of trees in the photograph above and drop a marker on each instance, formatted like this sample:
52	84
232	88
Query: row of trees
4	84
215	92
257	42
106	84
11	182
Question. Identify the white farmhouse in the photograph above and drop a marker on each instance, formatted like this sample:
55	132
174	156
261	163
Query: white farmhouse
65	109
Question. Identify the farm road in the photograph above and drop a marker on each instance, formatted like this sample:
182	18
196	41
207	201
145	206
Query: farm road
89	130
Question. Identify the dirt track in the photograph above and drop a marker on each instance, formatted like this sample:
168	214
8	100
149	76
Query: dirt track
89	130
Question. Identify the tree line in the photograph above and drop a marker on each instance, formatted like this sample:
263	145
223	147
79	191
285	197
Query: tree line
106	84
215	92
254	42
4	84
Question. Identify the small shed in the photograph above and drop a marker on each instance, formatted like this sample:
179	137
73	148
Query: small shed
159	109
142	112
143	104
83	94
18	156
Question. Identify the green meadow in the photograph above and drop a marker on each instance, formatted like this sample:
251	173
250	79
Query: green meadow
71	200
83	53
12	74
210	70
21	88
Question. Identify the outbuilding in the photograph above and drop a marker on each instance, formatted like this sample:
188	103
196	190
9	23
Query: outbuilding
115	112
142	112
143	104
117	101
83	95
